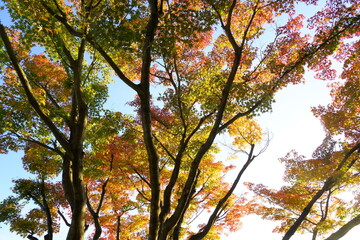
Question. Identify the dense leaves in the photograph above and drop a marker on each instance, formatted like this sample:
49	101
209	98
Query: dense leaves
196	69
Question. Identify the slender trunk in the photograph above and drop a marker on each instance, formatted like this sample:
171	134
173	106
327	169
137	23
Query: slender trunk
98	229
77	227
118	227
144	94
95	215
177	229
49	222
67	180
328	184
72	182
73	159
314	235
78	123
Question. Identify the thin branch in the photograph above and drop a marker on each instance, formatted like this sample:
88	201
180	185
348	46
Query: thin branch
220	206
97	4
63	218
178	93
66	51
91	67
63	20
95	215
186	194
38	143
59	8
103	53
165	148
143	195
241	114
48	94
29	93
113	65
198	213
218	15
175	173
102	196
230	13
59	53
141	177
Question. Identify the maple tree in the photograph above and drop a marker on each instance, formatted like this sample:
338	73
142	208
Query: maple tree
149	175
48	199
321	194
318	195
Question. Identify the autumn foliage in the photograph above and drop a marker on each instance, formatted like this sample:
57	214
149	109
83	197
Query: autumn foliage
196	70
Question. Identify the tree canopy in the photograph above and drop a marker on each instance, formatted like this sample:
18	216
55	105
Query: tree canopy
197	69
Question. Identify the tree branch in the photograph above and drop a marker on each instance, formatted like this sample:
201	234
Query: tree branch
186	194
95	216
345	229
63	218
29	93
93	43
145	110
242	114
329	183
38	143
220	206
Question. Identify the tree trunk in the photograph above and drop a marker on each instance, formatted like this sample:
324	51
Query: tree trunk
118	227
75	192
49	221
77	227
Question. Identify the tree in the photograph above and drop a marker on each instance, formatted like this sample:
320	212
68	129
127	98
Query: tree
211	83
317	196
58	118
43	218
313	200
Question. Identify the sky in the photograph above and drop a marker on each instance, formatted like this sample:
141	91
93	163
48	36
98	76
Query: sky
291	125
